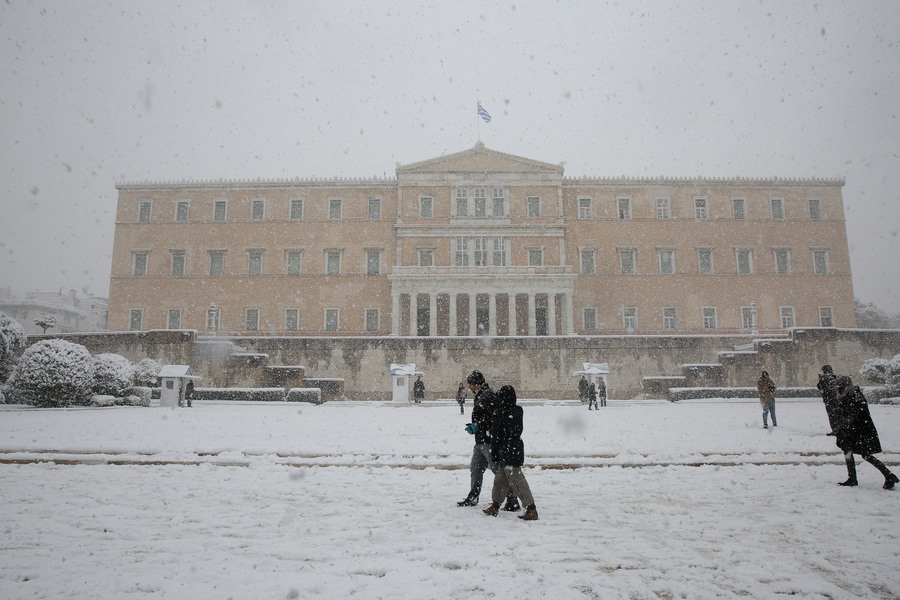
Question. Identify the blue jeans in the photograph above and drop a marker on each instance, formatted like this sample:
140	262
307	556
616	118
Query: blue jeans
769	408
481	460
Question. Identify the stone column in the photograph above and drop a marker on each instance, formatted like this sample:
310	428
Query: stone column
551	314
492	315
432	314
567	315
473	326
395	314
453	329
530	310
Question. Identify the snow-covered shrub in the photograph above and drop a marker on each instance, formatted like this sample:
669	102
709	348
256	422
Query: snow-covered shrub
139	396
12	340
54	373
311	395
113	375
103	400
892	375
146	372
873	370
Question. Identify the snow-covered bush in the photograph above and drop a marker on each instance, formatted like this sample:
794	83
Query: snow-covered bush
12	340
873	370
146	372
892	374
113	375
54	373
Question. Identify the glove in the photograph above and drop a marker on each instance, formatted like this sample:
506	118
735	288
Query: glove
472	428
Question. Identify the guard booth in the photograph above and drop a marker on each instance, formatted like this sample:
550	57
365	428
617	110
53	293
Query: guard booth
595	372
403	375
173	380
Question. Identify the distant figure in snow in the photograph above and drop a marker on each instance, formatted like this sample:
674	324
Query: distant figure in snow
592	396
828	386
508	453
766	388
583	389
419	390
189	392
601	391
461	398
856	433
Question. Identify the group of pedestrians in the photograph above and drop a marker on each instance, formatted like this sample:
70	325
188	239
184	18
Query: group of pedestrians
590	392
848	417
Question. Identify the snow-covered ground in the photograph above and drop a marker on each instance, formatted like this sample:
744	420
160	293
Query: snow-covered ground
638	500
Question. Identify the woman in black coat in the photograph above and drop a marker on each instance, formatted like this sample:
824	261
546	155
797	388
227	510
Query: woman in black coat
508	453
857	434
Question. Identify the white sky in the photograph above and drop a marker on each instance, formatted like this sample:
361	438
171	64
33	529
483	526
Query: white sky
98	92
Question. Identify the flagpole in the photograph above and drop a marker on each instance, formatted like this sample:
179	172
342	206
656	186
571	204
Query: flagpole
478	124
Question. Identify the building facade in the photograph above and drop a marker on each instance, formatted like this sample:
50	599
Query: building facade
71	313
481	243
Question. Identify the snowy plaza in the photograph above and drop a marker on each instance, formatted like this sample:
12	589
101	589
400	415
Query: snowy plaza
639	500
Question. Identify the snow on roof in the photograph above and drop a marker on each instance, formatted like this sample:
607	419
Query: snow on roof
177	372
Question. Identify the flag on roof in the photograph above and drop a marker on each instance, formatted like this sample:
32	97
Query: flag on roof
483	113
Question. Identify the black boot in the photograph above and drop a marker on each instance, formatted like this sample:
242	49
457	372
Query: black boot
851	473
889	478
470	500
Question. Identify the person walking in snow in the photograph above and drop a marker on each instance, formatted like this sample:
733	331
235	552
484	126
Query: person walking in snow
601	391
766	389
828	386
418	390
461	398
508	453
592	396
856	433
583	389
480	427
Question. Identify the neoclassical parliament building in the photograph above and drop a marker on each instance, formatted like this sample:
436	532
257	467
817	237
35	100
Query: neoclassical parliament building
481	243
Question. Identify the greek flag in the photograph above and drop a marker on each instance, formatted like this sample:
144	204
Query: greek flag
483	113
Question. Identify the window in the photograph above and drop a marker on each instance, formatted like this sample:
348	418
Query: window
254	262
296	209
534	207
705	261
292	319
373	262
825	317
584	208
787	317
629	318
669	318
499	252
535	257
820	262
662	208
212	319
744	261
181	211
738	206
462	252
144	211
294	259
588	266
217	264
332	317
372	319
589	319
333	262
480	202
778	209
178	263
709	317
426	257
499	203
815	209
480	252
258	209
136	319
700	209
426	207
335	208
624	208
220	208
251	321
748	318
374	208
462	202
626	261
174	321
782	262
666	262
140	264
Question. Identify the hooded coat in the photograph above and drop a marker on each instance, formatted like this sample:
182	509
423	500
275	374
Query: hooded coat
766	389
507	447
856	432
482	412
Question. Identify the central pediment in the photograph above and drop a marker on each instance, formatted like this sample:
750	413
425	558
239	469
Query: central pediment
479	160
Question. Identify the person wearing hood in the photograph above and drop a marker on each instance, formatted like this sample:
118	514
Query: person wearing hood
766	389
856	433
508	453
828	388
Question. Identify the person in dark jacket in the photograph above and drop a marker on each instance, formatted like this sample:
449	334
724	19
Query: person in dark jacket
461	398
480	427
856	433
508	453
592	396
601	391
828	386
418	390
766	389
583	389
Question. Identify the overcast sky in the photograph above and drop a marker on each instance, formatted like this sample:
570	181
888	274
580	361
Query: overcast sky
93	93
